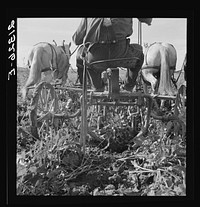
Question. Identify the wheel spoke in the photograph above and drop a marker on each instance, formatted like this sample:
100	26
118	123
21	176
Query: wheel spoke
42	126
47	100
41	100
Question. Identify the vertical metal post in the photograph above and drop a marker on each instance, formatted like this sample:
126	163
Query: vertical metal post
84	108
140	43
139	33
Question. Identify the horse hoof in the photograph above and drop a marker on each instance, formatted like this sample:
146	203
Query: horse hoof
23	91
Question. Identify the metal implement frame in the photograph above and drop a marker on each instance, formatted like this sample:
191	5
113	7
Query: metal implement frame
112	97
115	95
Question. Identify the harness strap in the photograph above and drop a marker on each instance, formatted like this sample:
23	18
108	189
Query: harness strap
48	68
156	67
74	50
52	52
147	52
148	66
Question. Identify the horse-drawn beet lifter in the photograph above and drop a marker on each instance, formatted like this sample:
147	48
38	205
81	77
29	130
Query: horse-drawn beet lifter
45	102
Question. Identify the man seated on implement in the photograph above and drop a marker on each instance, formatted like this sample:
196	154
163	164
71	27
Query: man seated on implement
105	39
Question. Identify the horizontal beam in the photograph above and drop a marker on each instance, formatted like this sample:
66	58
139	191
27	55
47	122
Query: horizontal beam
114	103
130	95
106	94
165	97
122	94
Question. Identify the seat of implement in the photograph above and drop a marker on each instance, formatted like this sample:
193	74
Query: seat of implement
114	63
112	69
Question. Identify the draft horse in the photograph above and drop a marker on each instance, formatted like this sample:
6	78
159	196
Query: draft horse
158	68
47	62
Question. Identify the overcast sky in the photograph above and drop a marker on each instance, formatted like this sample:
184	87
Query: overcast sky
34	30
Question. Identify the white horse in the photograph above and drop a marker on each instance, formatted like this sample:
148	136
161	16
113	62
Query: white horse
159	60
50	59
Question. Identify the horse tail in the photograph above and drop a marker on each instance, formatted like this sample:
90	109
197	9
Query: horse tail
165	86
35	71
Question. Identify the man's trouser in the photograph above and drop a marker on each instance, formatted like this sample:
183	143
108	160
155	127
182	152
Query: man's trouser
106	51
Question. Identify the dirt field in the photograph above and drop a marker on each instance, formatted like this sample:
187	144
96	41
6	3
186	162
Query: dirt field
152	165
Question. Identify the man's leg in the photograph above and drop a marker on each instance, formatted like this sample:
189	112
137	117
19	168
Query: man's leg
79	65
79	74
131	77
95	53
132	73
95	77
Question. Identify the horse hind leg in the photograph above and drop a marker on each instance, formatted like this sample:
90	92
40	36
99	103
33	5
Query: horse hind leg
153	84
151	79
24	91
64	78
34	77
